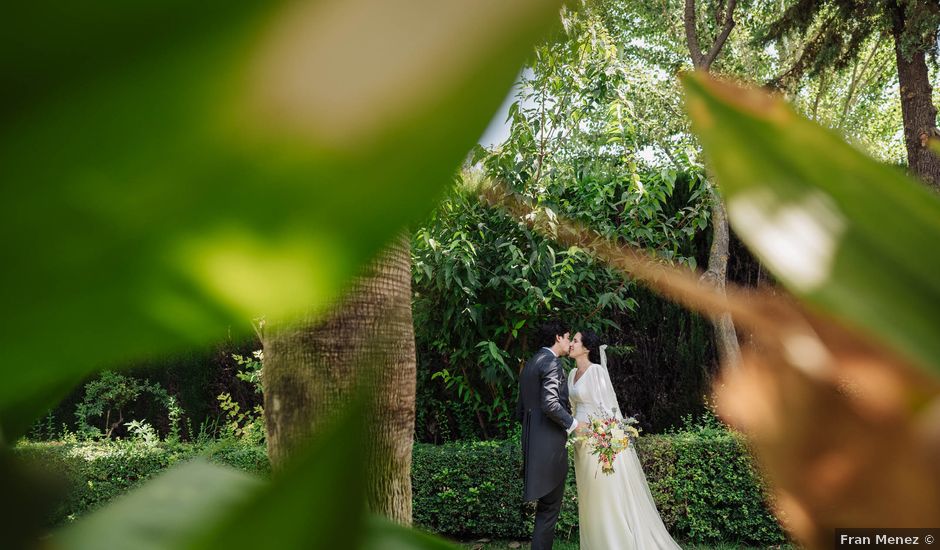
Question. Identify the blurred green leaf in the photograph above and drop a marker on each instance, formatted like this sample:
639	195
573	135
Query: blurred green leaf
167	512
853	237
179	169
36	491
385	535
19	412
317	501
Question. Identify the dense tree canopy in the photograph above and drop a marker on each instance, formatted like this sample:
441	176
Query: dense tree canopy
598	134
876	44
482	279
857	98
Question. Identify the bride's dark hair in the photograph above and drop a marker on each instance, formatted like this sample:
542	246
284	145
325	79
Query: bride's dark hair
591	341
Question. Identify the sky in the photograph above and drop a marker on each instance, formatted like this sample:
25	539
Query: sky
498	129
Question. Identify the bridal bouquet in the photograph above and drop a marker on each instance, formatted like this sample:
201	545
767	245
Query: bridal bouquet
609	436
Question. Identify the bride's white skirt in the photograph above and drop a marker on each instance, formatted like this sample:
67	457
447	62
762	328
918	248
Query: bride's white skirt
617	511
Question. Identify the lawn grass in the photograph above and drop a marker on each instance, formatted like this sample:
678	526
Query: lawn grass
486	544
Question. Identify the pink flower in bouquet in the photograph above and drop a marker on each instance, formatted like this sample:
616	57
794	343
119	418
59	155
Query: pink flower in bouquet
609	436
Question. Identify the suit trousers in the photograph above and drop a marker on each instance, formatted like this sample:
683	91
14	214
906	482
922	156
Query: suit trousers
546	516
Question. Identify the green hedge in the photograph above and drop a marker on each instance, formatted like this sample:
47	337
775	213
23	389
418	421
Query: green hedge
706	488
92	474
702	481
468	490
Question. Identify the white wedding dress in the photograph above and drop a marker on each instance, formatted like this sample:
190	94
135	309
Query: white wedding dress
616	511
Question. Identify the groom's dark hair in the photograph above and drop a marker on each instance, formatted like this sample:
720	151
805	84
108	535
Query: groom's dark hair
549	330
592	342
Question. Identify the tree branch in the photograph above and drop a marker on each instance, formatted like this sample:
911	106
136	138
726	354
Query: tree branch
700	61
722	38
538	171
820	92
671	157
858	77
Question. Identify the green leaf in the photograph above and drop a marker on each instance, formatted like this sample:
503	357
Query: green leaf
385	535
850	236
494	351
167	512
172	183
317	501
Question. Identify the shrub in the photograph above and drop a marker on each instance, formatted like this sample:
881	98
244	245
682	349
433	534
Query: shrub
109	396
710	486
94	472
246	457
243	426
193	377
701	478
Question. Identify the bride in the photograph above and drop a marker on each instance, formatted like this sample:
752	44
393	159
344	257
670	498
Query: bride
615	511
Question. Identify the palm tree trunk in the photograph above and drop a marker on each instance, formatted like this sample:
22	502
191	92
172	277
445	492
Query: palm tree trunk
311	368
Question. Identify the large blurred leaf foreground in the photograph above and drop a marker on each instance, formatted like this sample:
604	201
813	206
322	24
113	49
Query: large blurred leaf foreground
175	168
849	235
841	393
317	502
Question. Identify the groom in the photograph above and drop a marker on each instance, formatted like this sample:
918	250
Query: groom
546	419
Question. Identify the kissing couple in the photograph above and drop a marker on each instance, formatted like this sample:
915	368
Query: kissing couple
615	511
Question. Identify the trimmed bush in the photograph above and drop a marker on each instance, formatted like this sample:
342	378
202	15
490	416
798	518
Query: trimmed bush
706	489
474	489
93	473
249	458
704	485
702	480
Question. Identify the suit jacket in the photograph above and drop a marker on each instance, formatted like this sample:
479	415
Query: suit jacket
545	413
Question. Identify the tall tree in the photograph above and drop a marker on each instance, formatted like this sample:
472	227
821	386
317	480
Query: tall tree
579	144
311	369
716	274
653	38
833	32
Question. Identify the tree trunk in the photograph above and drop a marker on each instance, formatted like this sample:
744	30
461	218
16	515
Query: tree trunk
917	108
726	339
311	368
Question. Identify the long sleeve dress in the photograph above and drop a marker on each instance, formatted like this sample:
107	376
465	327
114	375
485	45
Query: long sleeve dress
615	511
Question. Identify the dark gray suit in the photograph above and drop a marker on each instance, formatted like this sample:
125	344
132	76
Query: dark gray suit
545	413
